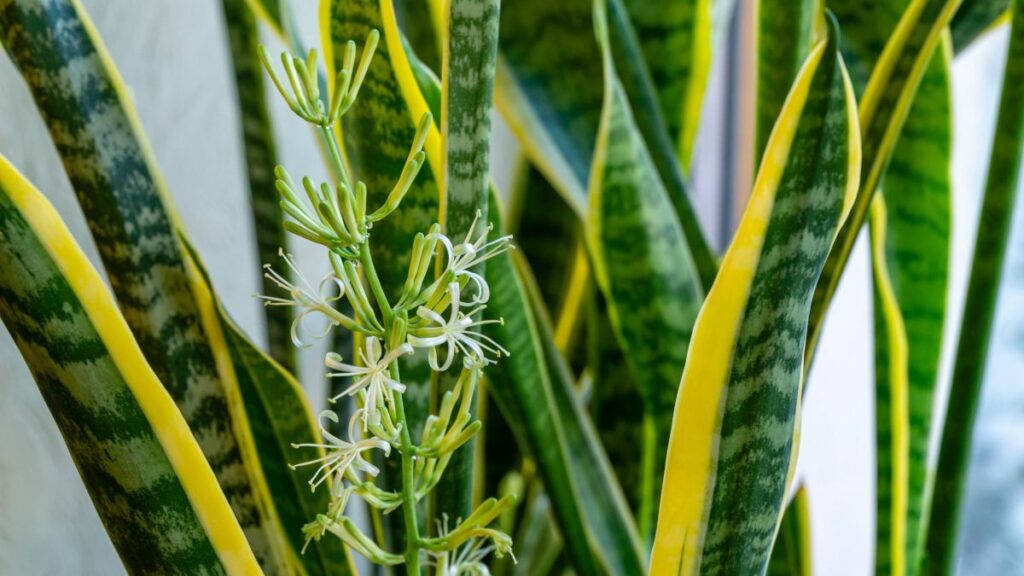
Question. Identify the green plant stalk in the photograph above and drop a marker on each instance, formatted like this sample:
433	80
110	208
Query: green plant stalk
412	531
979	310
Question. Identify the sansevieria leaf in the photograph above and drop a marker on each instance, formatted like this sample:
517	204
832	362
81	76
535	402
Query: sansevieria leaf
538	401
643	267
89	114
786	31
1001	191
151	485
791	555
159	289
917	195
882	109
467	81
641	94
548	89
273	408
675	37
911	265
260	159
420	22
736	427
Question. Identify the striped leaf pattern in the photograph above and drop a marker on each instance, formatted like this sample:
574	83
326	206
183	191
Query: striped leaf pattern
260	159
785	33
467	81
151	485
675	38
537	399
979	307
883	109
911	263
632	73
89	114
643	268
917	192
736	426
272	407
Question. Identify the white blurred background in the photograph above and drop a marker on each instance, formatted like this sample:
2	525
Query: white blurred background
172	53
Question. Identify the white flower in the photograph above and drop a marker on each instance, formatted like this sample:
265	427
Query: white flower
456	333
302	295
372	376
340	455
466	255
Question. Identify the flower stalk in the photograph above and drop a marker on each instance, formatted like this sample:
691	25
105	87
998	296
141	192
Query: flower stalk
434	314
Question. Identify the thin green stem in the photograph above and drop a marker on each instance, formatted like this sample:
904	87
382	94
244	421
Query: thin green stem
408	450
331	141
375	287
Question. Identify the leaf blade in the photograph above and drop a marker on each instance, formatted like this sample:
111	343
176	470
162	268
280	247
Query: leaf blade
144	471
738	406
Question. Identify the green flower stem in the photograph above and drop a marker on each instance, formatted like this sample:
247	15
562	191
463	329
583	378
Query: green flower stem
375	287
334	152
408	450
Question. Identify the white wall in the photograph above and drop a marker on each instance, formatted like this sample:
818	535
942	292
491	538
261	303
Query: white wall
171	52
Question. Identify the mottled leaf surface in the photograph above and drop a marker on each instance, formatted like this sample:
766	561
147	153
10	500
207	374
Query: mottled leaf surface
93	125
994	221
152	488
737	417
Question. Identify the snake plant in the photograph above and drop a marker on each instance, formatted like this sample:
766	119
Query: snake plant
562	377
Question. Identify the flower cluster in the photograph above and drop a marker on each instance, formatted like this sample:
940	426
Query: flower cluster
439	312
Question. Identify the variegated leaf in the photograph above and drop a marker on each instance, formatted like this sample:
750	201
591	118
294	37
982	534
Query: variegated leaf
882	110
149	481
736	427
643	267
1001	190
467	80
535	392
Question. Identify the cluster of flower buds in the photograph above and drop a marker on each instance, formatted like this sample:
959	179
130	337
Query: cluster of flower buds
439	311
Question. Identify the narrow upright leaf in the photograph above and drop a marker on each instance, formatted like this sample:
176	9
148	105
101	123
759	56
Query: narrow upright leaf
159	288
979	308
791	555
643	268
735	431
538	401
260	159
467	80
144	471
548	89
92	122
785	33
883	108
417	20
912	263
675	37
